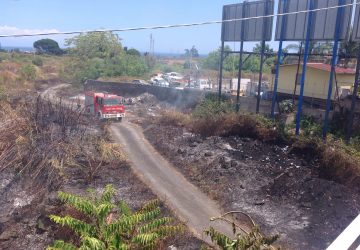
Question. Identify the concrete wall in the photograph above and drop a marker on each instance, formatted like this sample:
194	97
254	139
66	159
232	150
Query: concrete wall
186	98
316	83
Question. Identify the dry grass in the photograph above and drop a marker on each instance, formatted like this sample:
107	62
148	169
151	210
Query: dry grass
174	118
232	124
338	162
41	139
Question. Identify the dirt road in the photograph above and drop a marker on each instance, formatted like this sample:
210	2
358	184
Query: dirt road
187	201
51	92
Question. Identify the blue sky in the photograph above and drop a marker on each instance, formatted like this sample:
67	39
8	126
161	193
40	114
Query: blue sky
18	16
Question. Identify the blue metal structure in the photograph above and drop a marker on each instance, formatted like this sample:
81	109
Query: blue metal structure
333	66
353	99
261	61
258	29
303	76
221	56
279	60
240	63
239	76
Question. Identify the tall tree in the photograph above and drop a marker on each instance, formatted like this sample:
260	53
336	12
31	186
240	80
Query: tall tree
212	61
268	49
193	52
133	52
90	45
47	46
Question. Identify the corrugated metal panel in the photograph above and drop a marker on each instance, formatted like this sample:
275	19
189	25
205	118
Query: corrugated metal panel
232	30
356	30
253	29
323	24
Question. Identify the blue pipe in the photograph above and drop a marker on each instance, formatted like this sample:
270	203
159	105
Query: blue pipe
333	65
303	76
279	60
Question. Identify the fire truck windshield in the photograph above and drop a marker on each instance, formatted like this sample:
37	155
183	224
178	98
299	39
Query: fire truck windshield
112	101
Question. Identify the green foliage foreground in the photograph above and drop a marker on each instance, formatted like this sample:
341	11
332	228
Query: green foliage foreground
110	226
243	240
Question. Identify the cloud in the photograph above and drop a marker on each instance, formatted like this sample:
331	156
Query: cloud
10	30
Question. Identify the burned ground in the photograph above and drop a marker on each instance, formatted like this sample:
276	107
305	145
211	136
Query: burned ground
29	194
281	188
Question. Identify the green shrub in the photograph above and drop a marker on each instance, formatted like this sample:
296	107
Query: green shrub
28	72
37	61
210	107
286	106
122	65
106	225
310	126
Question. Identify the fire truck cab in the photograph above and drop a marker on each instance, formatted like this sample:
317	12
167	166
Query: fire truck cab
104	105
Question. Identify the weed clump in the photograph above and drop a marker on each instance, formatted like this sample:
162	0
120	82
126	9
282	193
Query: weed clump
37	61
214	118
174	118
232	124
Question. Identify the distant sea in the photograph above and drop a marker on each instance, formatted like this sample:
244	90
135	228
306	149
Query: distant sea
157	54
172	55
8	48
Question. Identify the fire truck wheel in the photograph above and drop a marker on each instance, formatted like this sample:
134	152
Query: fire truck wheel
119	119
99	116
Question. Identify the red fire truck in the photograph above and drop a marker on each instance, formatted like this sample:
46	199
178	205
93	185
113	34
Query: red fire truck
104	105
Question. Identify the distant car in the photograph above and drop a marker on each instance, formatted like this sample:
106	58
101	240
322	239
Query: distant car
138	81
161	83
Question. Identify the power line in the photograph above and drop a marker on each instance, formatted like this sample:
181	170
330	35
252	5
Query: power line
179	25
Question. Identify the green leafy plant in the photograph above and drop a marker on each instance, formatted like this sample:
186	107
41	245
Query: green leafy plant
28	72
110	226
310	126
243	239
286	106
211	107
37	61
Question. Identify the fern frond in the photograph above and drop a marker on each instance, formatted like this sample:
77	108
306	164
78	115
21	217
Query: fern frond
108	194
155	224
91	244
124	208
81	204
151	205
126	223
120	247
139	217
78	226
61	245
148	215
166	231
220	239
103	210
145	239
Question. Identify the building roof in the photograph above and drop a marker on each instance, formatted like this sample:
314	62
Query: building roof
327	67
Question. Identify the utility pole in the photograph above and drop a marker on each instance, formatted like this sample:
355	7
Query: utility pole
152	45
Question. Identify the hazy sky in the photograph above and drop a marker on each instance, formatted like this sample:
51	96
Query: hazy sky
29	16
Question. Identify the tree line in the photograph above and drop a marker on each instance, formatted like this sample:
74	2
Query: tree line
95	55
